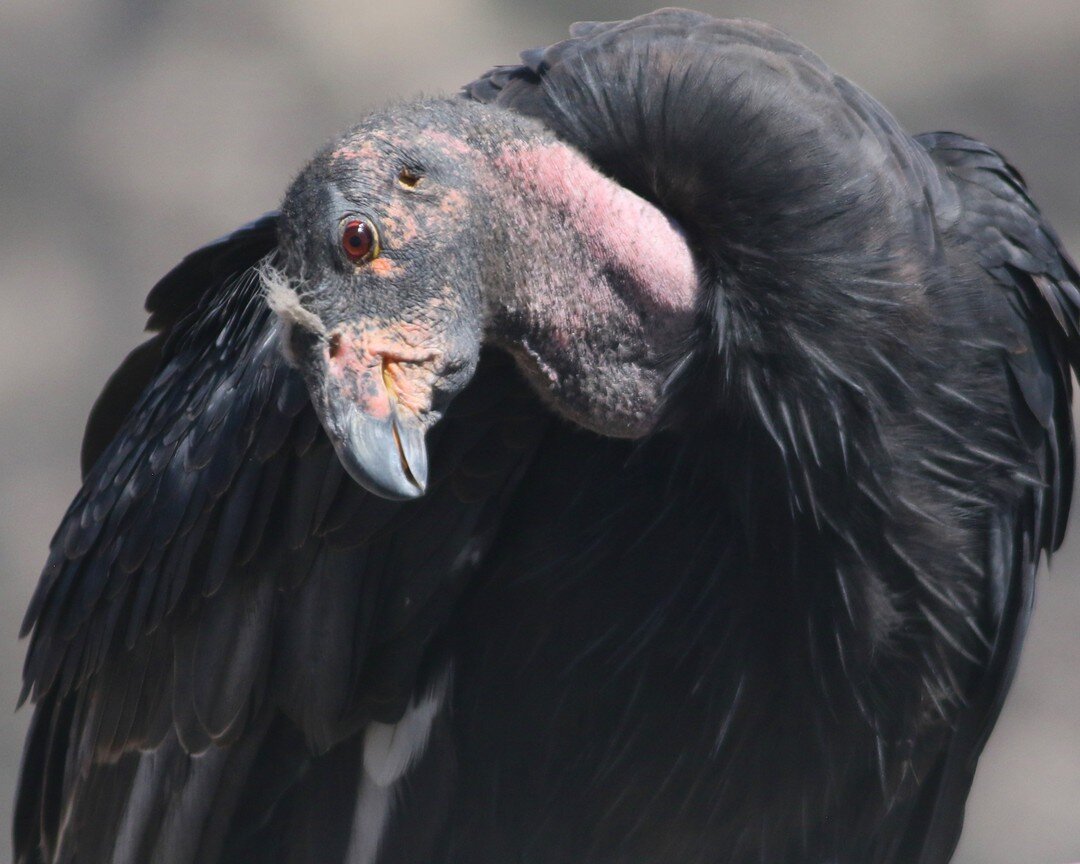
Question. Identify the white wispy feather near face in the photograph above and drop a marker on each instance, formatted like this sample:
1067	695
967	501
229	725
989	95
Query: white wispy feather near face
284	302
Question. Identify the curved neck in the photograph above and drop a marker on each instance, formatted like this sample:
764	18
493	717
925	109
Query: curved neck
596	290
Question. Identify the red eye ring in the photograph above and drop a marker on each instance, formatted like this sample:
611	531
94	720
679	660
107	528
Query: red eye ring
359	241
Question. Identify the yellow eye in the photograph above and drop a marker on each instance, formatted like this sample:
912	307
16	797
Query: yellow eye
359	241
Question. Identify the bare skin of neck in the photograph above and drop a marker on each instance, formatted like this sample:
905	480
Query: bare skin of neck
602	290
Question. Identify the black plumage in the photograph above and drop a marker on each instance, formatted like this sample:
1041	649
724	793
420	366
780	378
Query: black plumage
776	625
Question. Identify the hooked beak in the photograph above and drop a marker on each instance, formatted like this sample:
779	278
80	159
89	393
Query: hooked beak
377	386
386	455
375	411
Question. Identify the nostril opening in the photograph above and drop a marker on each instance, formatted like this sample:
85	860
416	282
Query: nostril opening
333	345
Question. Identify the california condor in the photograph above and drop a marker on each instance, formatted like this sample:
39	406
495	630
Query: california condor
643	456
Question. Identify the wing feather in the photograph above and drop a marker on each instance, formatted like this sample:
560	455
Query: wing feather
984	208
218	570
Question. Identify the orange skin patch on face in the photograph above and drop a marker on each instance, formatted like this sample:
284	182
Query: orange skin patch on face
410	390
453	203
417	336
384	267
399	224
383	368
444	302
354	151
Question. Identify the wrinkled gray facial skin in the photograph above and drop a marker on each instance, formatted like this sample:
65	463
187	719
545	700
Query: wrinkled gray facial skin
383	343
488	230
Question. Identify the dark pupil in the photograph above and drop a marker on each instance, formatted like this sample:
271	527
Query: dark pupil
357	240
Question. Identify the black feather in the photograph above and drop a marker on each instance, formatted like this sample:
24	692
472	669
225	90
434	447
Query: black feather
778	628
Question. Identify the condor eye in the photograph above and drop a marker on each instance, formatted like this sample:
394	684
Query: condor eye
359	241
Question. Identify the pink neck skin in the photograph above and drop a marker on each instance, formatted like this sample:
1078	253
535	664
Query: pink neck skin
602	290
619	228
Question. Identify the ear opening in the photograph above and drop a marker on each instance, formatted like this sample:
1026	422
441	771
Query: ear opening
409	178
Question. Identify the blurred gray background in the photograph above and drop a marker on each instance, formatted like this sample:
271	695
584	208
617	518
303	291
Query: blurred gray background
134	130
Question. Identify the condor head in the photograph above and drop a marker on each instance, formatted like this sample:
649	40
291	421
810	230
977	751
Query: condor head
437	227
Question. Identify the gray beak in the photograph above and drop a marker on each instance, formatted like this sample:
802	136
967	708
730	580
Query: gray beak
385	455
